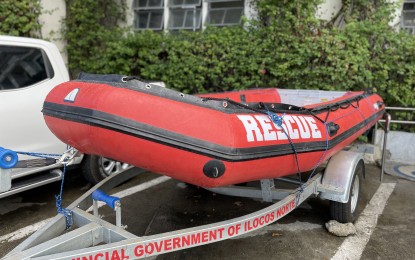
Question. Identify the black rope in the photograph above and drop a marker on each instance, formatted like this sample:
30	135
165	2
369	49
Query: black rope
242	105
327	115
311	111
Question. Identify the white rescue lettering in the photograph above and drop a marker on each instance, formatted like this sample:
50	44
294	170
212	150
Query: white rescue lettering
292	132
260	128
266	124
301	123
314	129
251	128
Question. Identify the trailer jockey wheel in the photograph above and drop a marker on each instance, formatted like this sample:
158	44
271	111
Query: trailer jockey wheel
347	212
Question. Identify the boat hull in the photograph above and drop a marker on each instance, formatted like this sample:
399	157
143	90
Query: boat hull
206	142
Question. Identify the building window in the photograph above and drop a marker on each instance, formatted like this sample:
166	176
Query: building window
408	16
186	14
184	3
185	18
148	14
222	13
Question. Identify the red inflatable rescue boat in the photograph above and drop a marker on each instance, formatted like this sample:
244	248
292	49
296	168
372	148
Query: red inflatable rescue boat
208	140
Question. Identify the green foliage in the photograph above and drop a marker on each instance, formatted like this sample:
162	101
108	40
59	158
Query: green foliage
192	62
286	47
20	18
209	61
90	27
365	52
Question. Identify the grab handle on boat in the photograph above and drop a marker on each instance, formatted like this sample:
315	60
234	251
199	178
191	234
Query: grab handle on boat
333	128
111	201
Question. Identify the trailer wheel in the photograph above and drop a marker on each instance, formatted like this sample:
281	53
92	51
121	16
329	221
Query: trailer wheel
96	168
347	212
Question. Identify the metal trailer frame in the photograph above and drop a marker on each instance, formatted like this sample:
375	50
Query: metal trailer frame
95	239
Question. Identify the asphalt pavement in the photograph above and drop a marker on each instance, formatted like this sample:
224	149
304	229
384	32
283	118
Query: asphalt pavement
382	233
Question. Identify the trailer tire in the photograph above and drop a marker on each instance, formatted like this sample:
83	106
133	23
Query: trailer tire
96	168
347	212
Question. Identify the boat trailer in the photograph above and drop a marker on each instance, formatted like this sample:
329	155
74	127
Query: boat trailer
92	238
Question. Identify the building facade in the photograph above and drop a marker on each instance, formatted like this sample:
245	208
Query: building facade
173	15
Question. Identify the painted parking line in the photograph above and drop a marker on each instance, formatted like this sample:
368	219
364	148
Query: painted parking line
353	246
26	231
23	232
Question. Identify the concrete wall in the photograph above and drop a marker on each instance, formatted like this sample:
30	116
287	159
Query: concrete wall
401	145
130	14
328	9
396	20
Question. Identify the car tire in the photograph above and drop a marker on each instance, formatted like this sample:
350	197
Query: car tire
96	168
348	212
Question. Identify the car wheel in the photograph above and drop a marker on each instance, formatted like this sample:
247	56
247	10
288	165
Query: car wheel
96	168
347	212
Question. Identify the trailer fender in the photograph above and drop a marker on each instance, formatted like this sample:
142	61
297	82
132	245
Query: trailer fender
338	176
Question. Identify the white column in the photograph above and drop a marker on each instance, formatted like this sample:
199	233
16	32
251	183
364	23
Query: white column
129	13
395	22
166	14
250	11
328	9
50	19
205	9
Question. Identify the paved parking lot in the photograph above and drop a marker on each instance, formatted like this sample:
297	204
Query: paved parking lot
171	205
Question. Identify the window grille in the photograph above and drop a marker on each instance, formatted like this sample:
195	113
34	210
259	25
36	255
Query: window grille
148	4
148	14
186	14
184	3
408	16
185	19
222	13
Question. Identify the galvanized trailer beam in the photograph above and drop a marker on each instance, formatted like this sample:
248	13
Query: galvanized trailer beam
267	192
57	225
88	235
112	233
120	244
